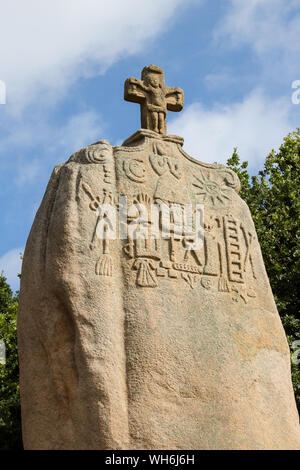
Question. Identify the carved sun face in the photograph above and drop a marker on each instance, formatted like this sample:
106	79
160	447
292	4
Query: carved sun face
211	190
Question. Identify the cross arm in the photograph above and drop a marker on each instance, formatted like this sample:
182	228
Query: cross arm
134	90
175	98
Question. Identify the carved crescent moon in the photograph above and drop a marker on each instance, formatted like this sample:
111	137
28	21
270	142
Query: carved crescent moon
135	170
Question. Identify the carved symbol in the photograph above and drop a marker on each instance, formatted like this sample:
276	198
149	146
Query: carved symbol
186	267
94	156
239	294
145	277
211	190
190	279
210	249
161	148
142	198
223	284
233	249
100	152
148	248
95	200
146	244
135	170
161	272
159	164
174	168
206	283
104	266
173	231
248	257
189	251
232	180
129	248
172	274
166	264
107	175
251	293
107	197
172	246
104	263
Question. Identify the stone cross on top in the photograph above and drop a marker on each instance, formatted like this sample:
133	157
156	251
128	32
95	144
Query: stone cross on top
154	97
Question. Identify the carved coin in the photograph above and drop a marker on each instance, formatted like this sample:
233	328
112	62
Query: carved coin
206	283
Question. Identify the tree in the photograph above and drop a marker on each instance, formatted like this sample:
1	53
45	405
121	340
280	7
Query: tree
10	411
274	201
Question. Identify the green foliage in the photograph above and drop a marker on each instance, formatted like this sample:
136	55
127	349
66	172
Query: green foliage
274	200
10	413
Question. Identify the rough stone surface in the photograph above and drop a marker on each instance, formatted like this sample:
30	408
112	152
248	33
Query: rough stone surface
134	344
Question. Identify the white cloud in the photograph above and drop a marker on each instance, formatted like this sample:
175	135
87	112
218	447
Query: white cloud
271	28
255	125
10	264
46	143
45	46
222	78
82	129
36	131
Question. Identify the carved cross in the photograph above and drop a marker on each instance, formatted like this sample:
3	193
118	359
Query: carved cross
154	97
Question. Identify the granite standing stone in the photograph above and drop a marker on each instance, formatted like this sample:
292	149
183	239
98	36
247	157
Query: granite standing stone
149	343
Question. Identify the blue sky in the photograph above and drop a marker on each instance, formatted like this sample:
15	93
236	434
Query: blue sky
64	64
